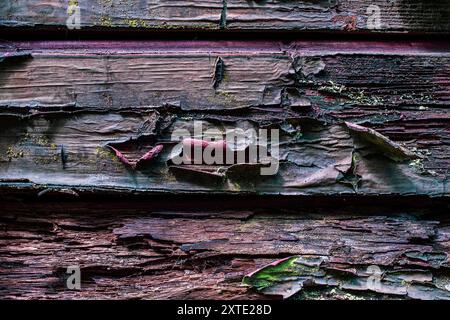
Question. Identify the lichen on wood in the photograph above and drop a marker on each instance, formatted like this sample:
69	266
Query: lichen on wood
348	16
150	250
113	94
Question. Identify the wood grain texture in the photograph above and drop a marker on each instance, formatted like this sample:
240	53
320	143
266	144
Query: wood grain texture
65	104
130	251
307	15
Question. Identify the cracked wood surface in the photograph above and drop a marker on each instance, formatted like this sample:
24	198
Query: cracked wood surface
399	16
86	144
354	117
142	251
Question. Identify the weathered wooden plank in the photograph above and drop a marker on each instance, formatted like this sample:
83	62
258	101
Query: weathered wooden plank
112	14
317	15
340	15
66	105
134	251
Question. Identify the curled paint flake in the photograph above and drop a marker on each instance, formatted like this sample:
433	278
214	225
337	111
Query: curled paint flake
146	157
58	191
151	154
196	143
309	66
121	157
389	148
187	149
272	264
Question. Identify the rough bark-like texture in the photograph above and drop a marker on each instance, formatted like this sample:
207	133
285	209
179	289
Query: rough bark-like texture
307	15
359	206
355	118
141	251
